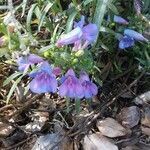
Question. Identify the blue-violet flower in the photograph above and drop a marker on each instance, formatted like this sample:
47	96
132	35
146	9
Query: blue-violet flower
44	80
89	88
120	20
24	62
81	36
71	86
129	38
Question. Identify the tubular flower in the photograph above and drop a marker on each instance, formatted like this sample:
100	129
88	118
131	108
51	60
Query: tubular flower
56	71
129	38
138	6
71	86
44	80
135	35
81	36
24	62
120	20
126	42
89	88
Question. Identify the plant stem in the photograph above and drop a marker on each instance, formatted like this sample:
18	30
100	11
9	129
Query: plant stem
77	106
68	105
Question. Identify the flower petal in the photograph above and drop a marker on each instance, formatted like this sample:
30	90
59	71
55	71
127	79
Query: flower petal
90	32
94	89
90	89
126	42
34	59
70	72
42	67
79	91
56	71
70	37
84	76
137	6
43	83
25	61
71	91
135	35
119	19
77	45
63	90
80	23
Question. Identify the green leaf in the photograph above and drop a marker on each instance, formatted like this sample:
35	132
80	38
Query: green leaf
24	4
54	33
44	49
10	78
70	21
13	88
4	51
86	2
113	8
100	12
107	30
45	11
29	17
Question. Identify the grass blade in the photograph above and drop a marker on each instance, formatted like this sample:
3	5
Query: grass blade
100	12
45	11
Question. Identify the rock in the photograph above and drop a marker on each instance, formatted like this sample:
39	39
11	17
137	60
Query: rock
129	116
53	141
146	117
111	128
98	142
143	98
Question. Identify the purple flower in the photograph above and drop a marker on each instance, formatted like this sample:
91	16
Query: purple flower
120	20
71	86
81	36
44	80
138	6
135	35
129	38
70	38
56	71
24	62
89	88
126	42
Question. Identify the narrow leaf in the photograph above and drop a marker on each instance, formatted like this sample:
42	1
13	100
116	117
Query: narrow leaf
29	17
70	21
45	11
100	12
13	76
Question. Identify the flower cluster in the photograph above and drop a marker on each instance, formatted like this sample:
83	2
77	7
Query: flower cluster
45	79
81	36
77	88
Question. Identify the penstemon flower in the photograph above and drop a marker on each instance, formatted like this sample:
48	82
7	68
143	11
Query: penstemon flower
126	42
138	6
135	35
24	62
89	88
120	20
56	71
71	86
43	79
81	36
129	38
